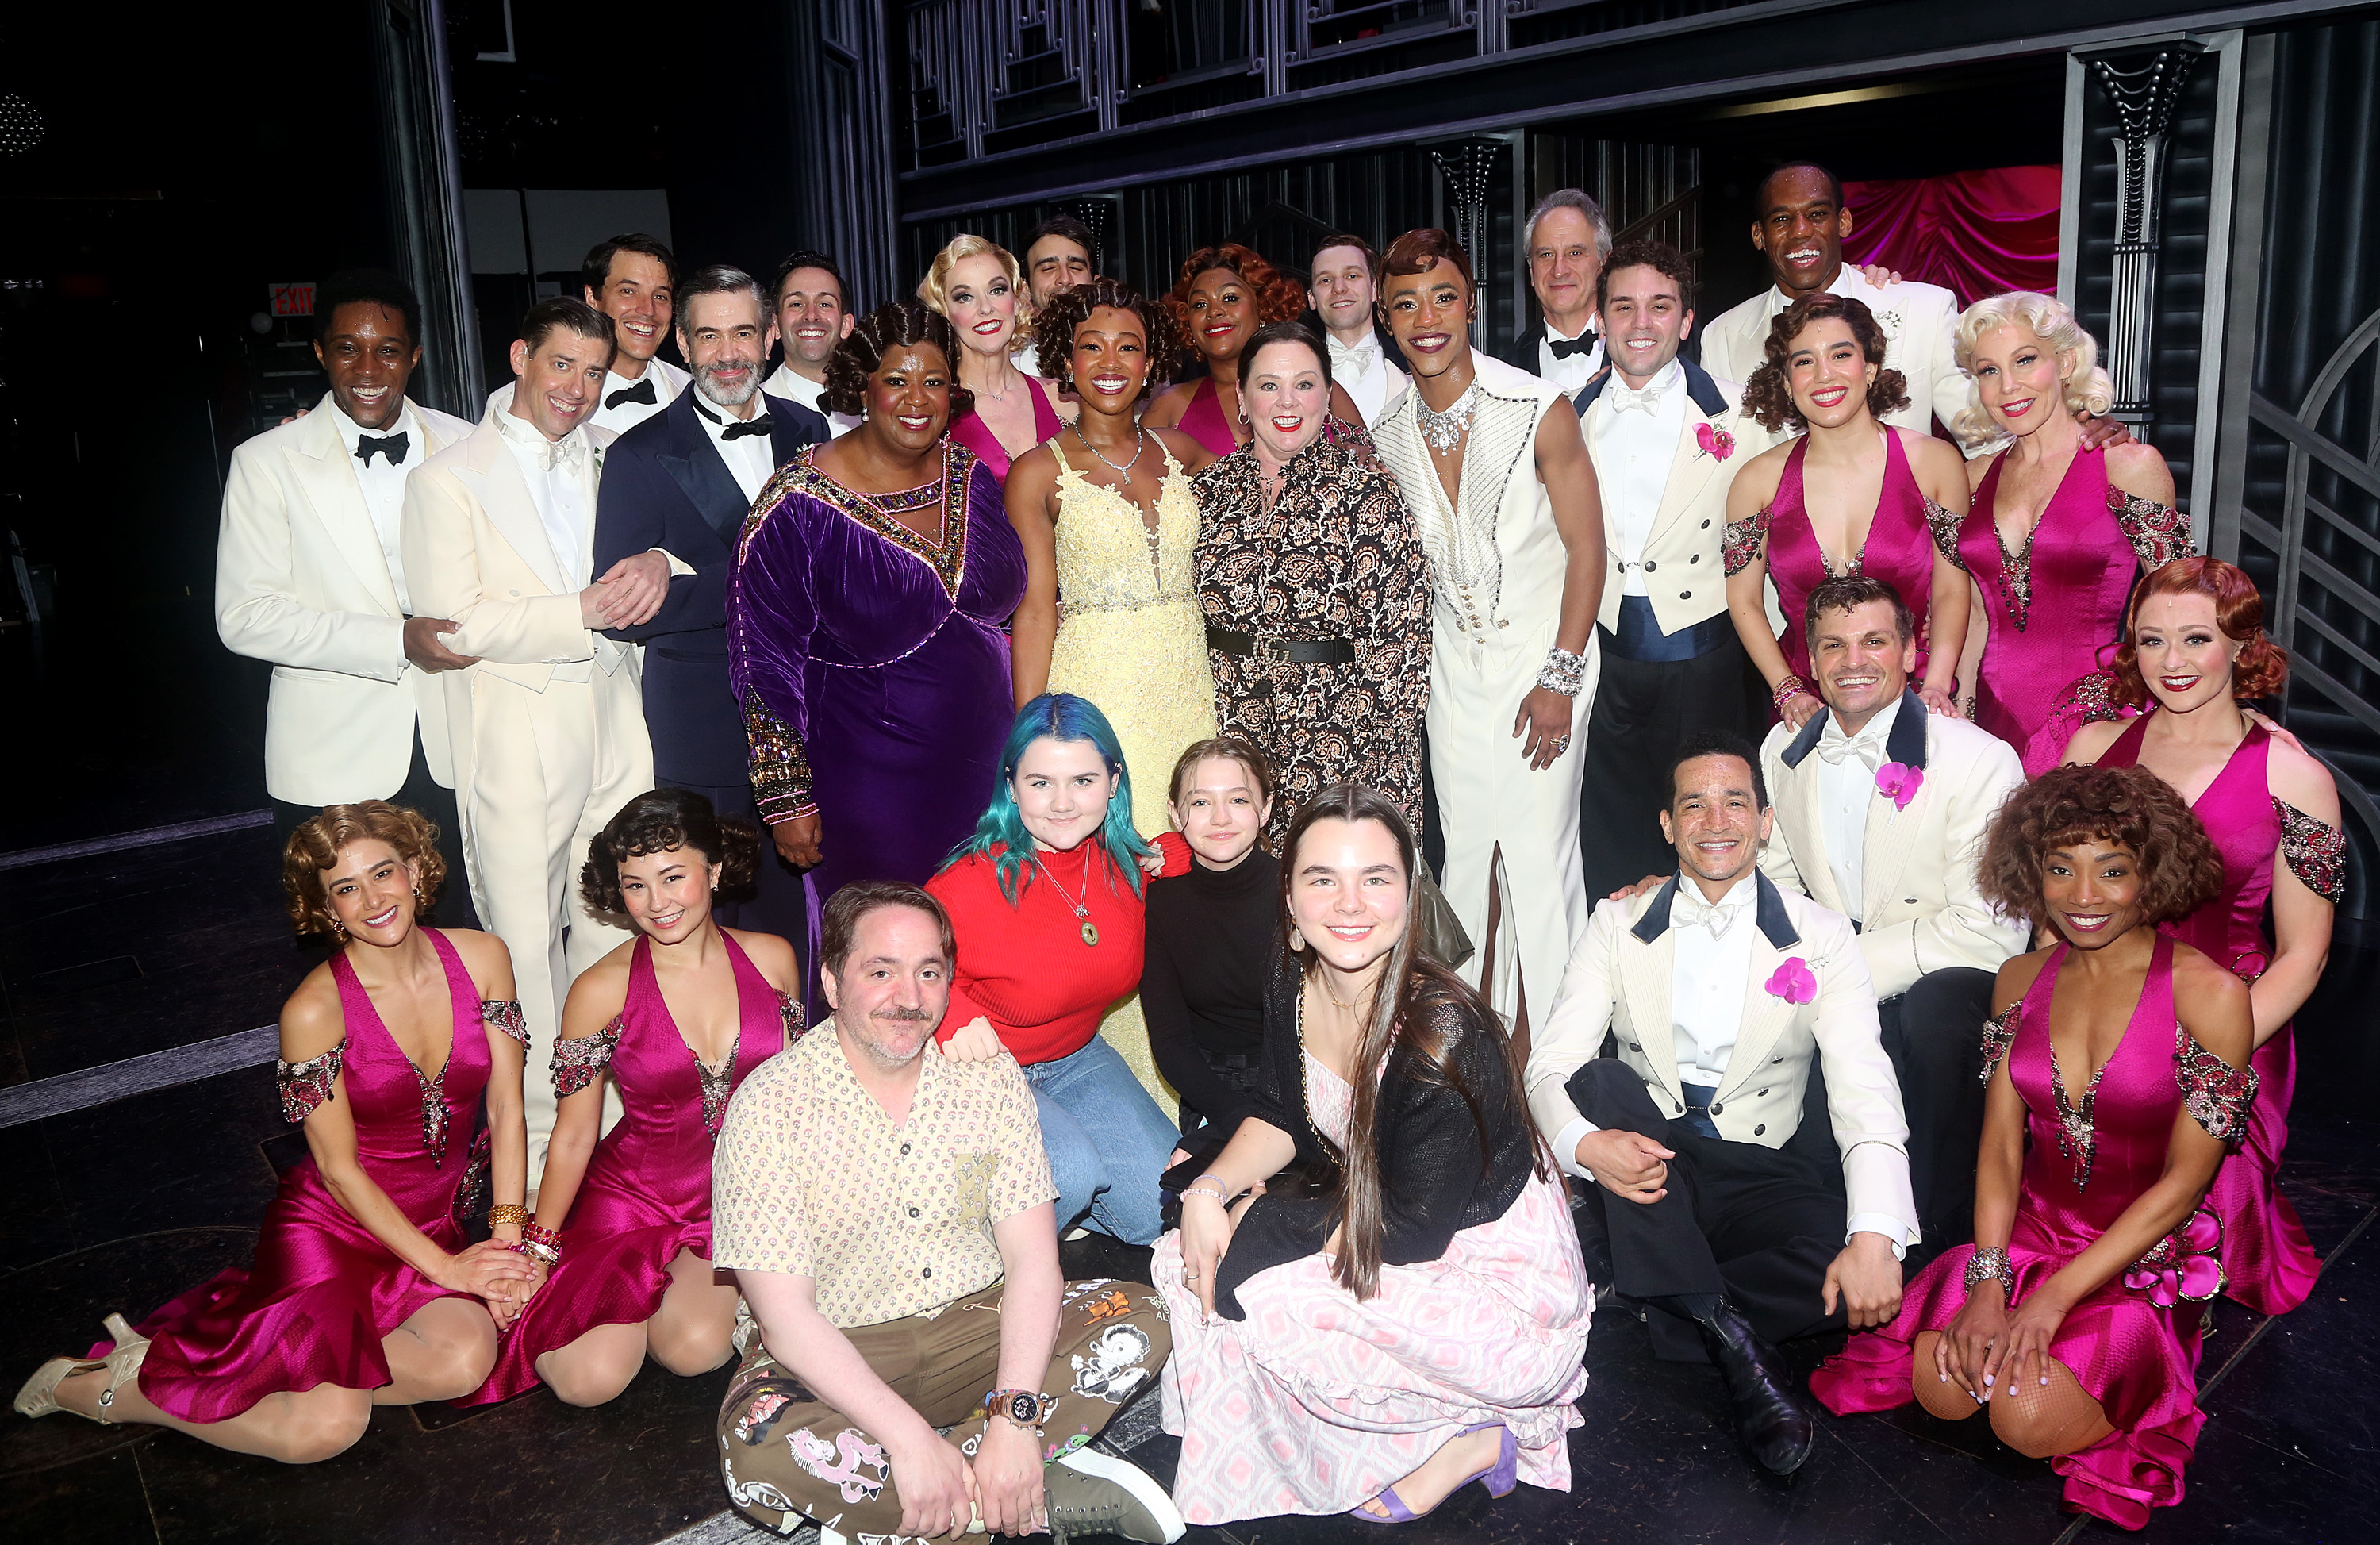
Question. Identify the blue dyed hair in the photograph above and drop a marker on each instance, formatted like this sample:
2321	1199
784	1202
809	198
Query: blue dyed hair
1055	716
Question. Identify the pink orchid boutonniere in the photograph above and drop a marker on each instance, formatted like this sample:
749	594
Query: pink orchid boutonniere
1717	443
1793	981
1898	781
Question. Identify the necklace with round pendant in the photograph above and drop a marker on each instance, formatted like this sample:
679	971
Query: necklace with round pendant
1090	931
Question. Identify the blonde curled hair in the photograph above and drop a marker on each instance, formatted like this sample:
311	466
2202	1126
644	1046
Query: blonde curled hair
934	289
2088	390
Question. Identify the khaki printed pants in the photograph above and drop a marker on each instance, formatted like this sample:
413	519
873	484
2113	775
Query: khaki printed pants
785	1453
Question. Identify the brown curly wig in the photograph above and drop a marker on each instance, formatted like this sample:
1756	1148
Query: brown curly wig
314	849
1053	330
890	326
655	823
1768	395
2261	668
1279	297
2180	868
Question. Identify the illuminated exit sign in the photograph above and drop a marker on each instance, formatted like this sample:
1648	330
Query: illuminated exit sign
293	300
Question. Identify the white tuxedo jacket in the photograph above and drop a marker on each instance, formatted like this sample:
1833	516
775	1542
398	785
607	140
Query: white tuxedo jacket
1920	324
1619	979
1919	907
1684	579
301	580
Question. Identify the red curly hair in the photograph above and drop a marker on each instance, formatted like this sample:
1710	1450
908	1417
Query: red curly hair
1279	297
2262	669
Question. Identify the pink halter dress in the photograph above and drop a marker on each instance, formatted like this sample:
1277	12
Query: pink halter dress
647	1191
322	1291
2134	1343
2265	1254
969	430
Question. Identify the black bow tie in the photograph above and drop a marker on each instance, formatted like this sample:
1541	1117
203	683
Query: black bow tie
641	392
392	446
757	424
1565	348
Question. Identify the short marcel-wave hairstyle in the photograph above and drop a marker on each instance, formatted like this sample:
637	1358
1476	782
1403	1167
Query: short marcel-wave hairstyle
1279	297
2131	805
1053	330
2088	390
2262	669
895	324
934	289
656	822
314	849
1768	395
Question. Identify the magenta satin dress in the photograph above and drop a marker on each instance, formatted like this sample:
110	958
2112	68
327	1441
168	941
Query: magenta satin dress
322	1291
2135	1356
1898	549
2056	607
971	431
2265	1253
647	1192
1203	421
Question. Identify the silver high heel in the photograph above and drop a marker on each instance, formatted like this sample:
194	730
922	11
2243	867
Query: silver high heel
123	1365
40	1396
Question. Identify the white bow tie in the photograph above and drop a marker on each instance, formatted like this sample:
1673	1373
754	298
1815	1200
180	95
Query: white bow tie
565	452
1622	396
1688	909
1867	746
1353	360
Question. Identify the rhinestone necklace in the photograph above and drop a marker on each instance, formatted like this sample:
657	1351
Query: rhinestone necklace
1140	443
1445	430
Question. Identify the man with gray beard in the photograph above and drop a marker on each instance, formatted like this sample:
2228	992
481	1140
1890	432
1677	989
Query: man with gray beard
675	491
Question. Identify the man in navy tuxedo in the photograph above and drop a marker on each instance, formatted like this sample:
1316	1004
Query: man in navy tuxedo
676	489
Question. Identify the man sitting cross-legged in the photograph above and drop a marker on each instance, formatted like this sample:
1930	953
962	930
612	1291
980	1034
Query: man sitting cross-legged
1724	993
887	1214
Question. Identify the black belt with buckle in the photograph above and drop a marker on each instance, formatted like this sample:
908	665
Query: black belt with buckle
1295	651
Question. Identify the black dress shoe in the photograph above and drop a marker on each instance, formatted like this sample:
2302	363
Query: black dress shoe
1771	1424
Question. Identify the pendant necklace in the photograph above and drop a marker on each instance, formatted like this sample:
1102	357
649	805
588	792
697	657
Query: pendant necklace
1140	443
1082	912
1444	431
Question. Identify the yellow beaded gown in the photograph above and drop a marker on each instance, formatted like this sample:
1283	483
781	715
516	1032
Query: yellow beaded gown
1132	640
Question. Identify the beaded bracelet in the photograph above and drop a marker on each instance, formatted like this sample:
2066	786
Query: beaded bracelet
1990	1263
1563	672
1791	687
509	1213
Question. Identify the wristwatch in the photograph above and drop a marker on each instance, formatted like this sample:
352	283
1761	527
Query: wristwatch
1022	1407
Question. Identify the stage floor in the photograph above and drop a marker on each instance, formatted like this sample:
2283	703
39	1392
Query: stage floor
125	1180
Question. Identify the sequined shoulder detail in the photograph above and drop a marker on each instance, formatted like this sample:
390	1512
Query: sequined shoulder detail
505	1016
308	1083
948	561
1944	524
781	763
2158	532
2000	1033
580	1063
2216	1094
1744	540
2314	850
789	1012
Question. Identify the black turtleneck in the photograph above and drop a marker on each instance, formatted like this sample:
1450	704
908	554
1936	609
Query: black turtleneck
1213	941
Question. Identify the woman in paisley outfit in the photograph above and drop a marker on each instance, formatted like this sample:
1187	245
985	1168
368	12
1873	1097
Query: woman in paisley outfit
2118	1062
2057	531
2194	651
1109	530
676	1019
362	1292
1316	593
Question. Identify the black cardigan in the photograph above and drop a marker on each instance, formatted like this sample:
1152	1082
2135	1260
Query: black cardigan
1438	1176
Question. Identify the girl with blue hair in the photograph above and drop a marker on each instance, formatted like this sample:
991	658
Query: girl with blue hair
1046	900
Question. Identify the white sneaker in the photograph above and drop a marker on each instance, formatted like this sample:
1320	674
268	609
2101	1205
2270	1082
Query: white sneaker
1090	1492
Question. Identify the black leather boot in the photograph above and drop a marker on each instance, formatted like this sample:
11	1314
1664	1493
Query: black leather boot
1771	1424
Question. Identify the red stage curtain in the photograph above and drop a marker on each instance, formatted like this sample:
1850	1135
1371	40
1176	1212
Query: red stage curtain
1973	233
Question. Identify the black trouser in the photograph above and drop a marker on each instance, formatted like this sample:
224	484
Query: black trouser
1643	710
1759	1224
425	795
1933	1033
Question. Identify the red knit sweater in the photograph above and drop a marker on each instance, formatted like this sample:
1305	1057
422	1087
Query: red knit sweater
1025	967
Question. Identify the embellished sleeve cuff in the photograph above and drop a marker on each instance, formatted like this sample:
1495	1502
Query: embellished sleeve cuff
2158	533
578	1063
2216	1094
2314	850
505	1016
1944	524
2000	1031
1744	540
789	1014
303	1086
781	764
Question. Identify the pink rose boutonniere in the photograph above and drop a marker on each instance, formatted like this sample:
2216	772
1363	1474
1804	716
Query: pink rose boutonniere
1898	781
1793	981
1717	443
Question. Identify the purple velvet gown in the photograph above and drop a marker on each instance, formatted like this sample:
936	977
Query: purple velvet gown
2133	1343
2265	1253
2056	606
1900	548
647	1192
322	1291
970	431
873	665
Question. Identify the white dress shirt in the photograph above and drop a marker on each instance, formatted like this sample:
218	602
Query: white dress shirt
383	482
1847	766
1572	374
1636	441
1711	959
1365	371
751	461
794	386
560	475
668	381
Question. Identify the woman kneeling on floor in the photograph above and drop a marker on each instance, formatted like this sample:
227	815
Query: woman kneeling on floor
676	1020
363	1292
1421	1326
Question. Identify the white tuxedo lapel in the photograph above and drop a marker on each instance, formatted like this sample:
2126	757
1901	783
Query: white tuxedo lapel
1645	990
320	463
491	476
1811	860
1690	471
1766	1017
